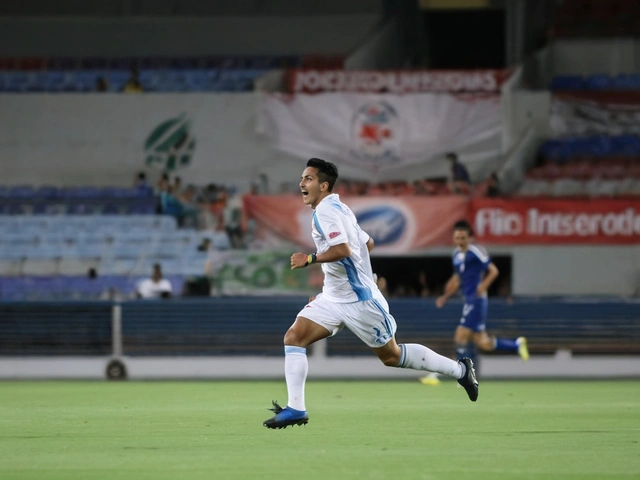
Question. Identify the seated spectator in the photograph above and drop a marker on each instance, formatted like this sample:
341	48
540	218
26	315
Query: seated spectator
156	286
204	246
220	238
459	179
171	205
102	85
140	181
133	83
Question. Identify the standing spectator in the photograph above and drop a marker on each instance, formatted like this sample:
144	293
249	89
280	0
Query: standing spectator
459	180
232	215
156	286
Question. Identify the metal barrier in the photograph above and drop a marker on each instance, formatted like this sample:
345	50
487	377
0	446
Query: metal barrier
239	333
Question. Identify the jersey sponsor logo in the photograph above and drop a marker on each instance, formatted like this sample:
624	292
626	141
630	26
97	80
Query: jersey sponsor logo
386	225
334	234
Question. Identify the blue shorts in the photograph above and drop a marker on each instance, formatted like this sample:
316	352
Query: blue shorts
474	314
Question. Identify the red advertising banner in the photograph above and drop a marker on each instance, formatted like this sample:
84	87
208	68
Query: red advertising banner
394	81
526	221
397	224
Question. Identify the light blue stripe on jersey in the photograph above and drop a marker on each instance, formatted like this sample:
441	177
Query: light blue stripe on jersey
315	220
386	317
290	350
361	291
338	206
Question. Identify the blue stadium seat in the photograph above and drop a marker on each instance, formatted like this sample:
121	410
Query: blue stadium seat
16	82
46	192
567	82
599	82
149	80
21	192
141	209
79	208
117	79
56	80
36	82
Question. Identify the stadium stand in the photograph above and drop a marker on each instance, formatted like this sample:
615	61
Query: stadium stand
155	74
48	257
595	166
595	18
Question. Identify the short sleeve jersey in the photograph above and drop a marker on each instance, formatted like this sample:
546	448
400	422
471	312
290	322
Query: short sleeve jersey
470	266
147	288
350	279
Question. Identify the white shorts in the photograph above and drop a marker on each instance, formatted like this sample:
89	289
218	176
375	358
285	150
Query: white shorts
369	320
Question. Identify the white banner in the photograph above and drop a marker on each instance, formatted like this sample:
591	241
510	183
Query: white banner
595	113
386	132
103	139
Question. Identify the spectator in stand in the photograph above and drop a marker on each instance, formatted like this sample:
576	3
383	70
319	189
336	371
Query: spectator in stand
140	183
102	85
171	205
493	185
204	246
154	287
133	83
459	179
232	215
423	285
220	237
176	186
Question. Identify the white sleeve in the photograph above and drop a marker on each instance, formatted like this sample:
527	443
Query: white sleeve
331	226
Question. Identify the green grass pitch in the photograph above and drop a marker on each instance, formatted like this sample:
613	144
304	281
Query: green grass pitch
357	430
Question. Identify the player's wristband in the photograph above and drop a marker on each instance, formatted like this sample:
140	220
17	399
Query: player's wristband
311	258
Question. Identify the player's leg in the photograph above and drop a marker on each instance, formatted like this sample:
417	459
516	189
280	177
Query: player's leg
489	343
375	326
299	336
419	357
472	316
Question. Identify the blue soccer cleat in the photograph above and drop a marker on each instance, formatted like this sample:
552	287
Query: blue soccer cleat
286	416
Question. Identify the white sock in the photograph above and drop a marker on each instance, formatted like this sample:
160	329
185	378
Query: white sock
296	367
419	357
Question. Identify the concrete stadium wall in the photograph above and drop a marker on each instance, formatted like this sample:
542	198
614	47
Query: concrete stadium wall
188	36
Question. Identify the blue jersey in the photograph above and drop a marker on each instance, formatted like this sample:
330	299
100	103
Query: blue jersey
470	266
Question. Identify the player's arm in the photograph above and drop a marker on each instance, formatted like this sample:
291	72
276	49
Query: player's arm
450	288
489	278
332	254
370	244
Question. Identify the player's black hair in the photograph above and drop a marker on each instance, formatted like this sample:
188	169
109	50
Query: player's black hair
452	156
327	171
463	225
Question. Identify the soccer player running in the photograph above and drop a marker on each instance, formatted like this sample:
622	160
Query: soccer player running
474	272
349	298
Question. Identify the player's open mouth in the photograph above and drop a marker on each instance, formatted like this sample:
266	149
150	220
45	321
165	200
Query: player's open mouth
304	194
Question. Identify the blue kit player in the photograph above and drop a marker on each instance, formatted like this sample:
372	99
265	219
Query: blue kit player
474	272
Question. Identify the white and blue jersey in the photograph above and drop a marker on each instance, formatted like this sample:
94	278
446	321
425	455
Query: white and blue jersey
470	266
350	279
